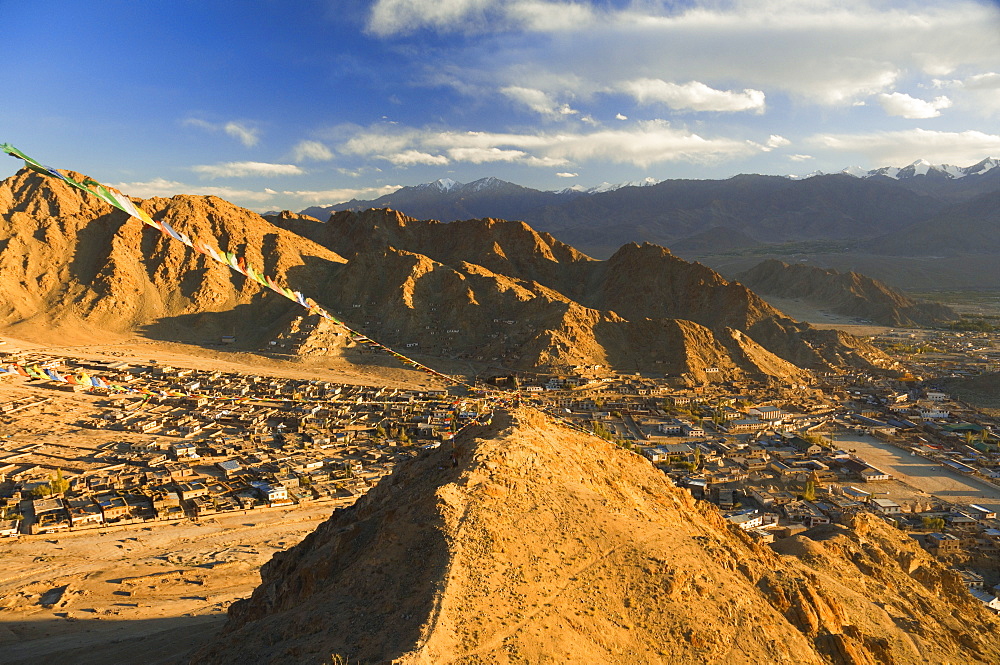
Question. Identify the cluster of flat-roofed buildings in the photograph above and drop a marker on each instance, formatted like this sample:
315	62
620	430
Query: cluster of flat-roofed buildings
191	443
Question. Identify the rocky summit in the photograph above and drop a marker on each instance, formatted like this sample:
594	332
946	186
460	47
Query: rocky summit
535	543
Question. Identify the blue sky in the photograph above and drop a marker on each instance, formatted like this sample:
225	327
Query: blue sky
283	105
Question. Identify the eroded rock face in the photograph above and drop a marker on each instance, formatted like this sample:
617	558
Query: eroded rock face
545	545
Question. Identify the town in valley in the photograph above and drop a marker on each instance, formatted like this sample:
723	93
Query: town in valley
162	444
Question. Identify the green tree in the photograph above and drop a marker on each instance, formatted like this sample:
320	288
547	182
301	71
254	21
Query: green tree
932	523
809	492
41	491
57	483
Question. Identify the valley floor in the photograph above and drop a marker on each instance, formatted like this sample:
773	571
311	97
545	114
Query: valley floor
145	594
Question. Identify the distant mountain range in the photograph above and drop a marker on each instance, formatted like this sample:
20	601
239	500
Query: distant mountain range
706	216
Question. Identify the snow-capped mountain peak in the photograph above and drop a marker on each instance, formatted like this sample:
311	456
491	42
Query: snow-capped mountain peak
920	167
445	184
608	187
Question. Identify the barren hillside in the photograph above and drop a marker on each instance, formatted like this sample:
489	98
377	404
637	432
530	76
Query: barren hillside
544	545
491	292
850	294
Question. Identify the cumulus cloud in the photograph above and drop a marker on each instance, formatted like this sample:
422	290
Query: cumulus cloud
244	133
820	51
979	93
776	141
904	106
413	157
482	155
694	96
311	151
621	116
641	144
167	188
567	175
244	169
538	101
904	147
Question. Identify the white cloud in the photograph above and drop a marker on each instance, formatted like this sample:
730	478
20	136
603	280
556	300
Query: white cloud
904	147
567	175
483	155
390	17
987	81
538	101
414	157
641	144
820	51
332	196
168	188
621	116
312	151
243	169
199	123
776	141
979	93
693	96
800	158
247	135
904	106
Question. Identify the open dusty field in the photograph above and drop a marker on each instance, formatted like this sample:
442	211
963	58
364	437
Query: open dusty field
375	370
144	594
924	475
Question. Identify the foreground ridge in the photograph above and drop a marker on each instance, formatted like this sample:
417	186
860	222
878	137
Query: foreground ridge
538	544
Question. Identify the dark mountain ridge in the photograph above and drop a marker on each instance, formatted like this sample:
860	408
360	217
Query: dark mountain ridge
702	216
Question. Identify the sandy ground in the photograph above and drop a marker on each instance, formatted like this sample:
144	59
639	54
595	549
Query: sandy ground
145	594
928	478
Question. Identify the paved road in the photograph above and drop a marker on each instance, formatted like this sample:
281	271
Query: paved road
921	473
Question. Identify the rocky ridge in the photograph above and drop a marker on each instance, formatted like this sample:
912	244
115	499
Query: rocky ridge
547	545
73	265
487	291
596	312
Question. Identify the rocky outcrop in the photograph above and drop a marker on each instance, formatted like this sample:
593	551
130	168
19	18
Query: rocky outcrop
546	545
